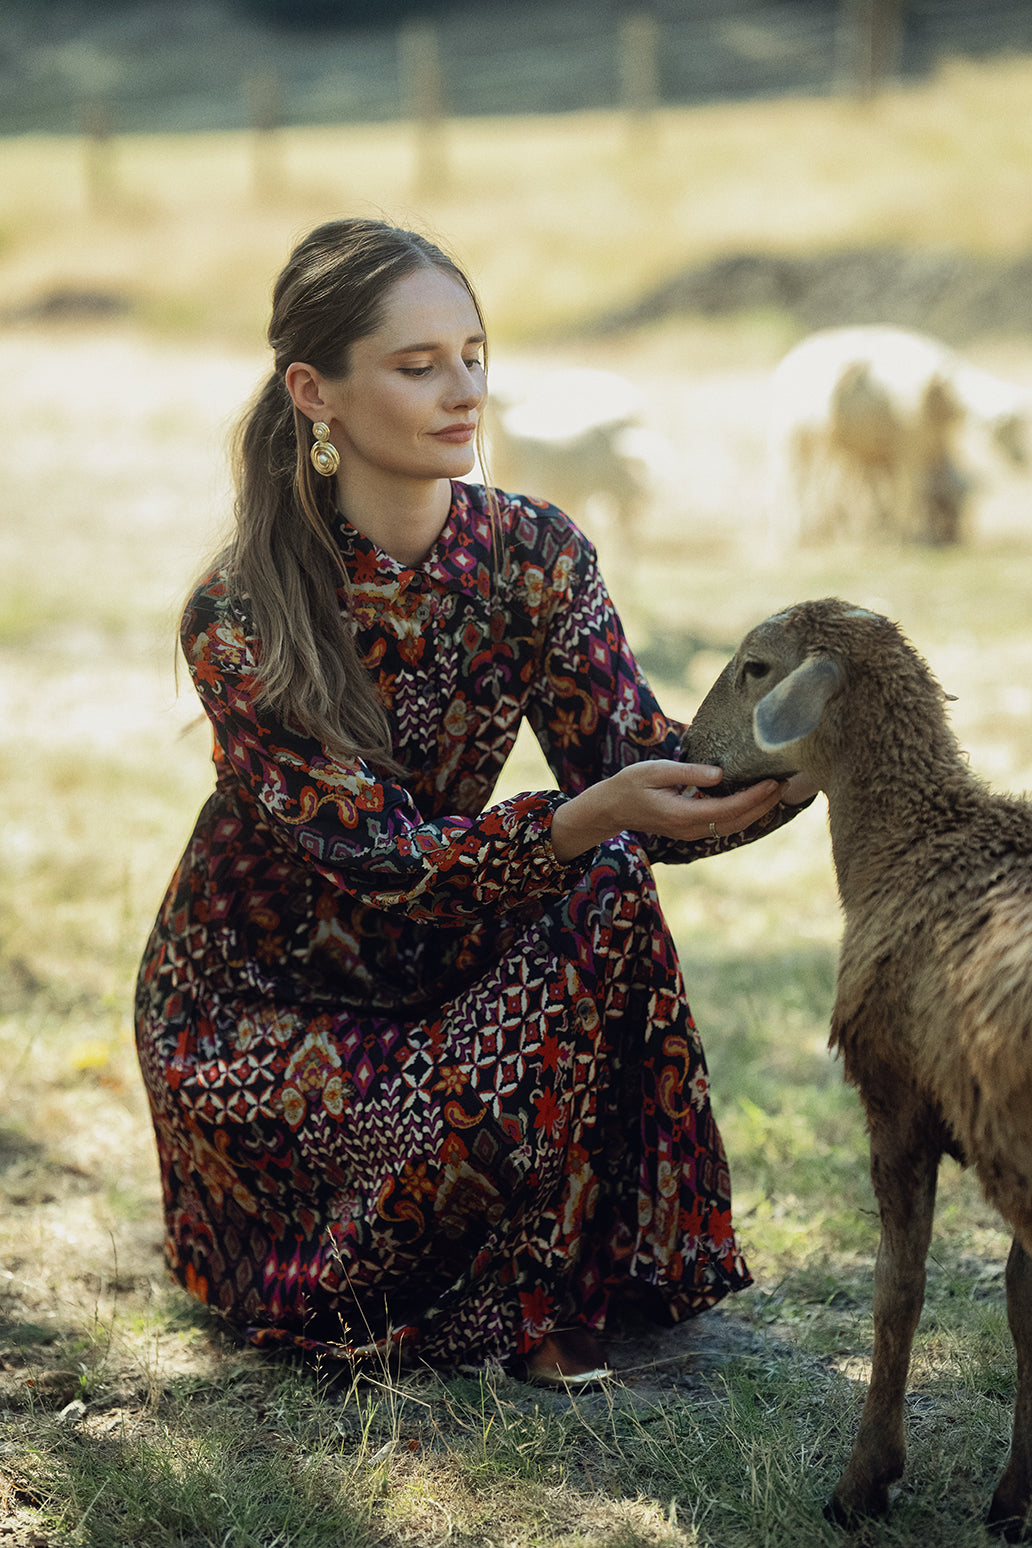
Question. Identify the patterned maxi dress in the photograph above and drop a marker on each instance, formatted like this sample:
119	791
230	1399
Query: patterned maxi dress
410	1076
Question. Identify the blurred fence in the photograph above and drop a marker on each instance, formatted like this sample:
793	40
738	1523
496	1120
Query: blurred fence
154	67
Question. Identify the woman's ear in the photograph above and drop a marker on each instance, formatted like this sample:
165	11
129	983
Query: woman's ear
305	387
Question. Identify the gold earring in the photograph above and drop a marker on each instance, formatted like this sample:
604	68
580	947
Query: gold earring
325	456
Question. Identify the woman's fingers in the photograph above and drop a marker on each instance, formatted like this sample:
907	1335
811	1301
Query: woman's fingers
730	814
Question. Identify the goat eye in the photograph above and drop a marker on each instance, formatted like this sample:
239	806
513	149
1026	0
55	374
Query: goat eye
755	669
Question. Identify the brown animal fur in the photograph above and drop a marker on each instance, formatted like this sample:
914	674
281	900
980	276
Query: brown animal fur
933	1012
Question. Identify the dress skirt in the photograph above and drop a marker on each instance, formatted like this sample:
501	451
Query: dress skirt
524	1156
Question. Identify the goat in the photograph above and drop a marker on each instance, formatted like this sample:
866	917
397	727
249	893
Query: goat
933	1008
866	432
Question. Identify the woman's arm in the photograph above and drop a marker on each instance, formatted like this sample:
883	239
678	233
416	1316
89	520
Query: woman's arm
613	750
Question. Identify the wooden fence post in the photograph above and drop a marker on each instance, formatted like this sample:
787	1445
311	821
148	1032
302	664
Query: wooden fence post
639	90
422	82
98	155
870	43
266	117
639	64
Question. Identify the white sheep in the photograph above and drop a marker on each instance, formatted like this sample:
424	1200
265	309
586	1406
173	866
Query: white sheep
866	437
933	1011
574	436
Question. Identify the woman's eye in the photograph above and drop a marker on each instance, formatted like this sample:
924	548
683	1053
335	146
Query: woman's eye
476	364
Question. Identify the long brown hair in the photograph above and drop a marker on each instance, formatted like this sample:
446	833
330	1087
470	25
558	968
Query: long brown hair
283	556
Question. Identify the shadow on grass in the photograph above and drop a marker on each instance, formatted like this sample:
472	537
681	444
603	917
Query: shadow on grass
204	1442
253	1452
222	1477
17	1148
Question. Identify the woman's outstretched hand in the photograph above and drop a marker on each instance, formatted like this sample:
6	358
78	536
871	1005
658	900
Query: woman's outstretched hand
661	796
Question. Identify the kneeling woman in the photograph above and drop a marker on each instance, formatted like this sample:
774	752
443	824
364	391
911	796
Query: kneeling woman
421	1066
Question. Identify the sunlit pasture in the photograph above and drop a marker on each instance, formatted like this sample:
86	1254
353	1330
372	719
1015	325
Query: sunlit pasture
115	488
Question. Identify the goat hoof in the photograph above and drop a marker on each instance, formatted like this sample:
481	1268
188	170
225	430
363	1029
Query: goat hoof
838	1515
1008	1526
850	1514
846	1516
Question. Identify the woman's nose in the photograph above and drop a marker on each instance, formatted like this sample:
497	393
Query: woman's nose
468	388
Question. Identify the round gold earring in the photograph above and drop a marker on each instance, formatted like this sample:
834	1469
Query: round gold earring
325	456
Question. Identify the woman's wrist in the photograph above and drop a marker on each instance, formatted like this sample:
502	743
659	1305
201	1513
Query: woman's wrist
581	824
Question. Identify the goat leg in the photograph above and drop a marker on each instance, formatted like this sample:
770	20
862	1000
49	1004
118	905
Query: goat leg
1011	1501
904	1166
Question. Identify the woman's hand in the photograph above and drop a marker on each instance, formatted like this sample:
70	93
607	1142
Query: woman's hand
657	797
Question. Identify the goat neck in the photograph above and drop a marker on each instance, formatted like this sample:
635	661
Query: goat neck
889	763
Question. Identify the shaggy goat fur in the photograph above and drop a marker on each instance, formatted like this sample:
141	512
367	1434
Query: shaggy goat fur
933	1012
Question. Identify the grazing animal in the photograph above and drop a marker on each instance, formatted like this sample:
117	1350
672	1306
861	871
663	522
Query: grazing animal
573	436
933	1011
866	437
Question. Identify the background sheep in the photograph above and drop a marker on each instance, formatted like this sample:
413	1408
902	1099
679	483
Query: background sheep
574	436
933	1012
867	433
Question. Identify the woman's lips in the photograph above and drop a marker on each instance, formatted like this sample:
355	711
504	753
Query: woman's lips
459	434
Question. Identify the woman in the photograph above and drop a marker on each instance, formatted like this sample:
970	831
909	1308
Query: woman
421	1067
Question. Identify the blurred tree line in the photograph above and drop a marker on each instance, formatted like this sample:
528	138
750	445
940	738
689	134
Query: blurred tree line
297	14
306	15
293	15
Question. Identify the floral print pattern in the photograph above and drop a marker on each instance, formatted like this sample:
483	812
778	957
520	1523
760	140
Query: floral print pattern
411	1077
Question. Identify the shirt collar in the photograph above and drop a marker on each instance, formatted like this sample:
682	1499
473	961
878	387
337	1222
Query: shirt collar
460	560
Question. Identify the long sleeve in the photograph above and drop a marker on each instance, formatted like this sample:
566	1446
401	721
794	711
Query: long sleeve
363	833
597	714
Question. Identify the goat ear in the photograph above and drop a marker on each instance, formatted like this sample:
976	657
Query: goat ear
793	709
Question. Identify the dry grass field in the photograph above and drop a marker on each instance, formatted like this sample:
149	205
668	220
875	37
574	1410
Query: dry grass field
126	1415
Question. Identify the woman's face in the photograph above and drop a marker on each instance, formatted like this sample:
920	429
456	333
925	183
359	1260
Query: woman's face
409	405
